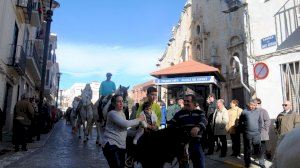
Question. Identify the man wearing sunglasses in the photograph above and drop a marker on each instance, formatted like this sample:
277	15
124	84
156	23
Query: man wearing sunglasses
286	120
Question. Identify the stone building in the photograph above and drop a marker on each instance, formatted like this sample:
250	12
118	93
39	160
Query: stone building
139	92
259	33
22	34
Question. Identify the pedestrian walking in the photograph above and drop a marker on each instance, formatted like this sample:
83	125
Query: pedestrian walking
194	121
151	98
116	132
23	115
266	123
232	127
220	120
251	125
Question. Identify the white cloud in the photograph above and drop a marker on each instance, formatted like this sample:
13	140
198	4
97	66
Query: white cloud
84	60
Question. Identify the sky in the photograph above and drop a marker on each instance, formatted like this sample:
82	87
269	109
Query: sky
124	37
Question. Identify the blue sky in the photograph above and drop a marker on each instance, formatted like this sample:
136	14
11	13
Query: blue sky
125	37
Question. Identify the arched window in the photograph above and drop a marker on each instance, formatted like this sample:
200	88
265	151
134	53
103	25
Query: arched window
234	65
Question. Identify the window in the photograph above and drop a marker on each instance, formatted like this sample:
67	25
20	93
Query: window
198	29
290	75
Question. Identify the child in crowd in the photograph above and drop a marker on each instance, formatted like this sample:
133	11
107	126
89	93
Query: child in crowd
149	124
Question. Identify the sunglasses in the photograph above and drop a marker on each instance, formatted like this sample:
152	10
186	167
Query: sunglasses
284	105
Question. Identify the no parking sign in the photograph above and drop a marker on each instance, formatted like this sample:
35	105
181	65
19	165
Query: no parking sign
261	71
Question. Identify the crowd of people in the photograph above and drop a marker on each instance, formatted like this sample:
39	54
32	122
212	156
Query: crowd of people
208	128
29	122
252	124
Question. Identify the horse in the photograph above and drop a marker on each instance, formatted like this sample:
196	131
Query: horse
85	112
68	115
101	108
74	115
161	147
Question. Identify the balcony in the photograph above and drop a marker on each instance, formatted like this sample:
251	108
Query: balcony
35	18
34	62
287	22
17	60
24	10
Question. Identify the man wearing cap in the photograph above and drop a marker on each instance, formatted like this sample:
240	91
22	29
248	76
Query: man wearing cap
107	87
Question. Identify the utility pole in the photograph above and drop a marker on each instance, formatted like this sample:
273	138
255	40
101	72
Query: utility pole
58	81
46	52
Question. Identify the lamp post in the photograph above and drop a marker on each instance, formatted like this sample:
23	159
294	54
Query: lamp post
52	5
58	81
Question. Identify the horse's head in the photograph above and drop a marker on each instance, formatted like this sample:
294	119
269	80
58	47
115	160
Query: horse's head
76	102
123	91
161	146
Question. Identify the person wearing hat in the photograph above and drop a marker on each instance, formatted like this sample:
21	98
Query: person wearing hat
107	87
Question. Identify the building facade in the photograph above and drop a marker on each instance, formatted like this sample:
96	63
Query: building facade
21	51
139	92
217	32
52	73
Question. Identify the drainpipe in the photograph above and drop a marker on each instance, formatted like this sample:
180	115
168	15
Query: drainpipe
241	72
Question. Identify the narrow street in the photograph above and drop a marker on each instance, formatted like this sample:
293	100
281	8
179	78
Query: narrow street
65	150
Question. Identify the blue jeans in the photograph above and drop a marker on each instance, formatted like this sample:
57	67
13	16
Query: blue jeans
196	155
251	142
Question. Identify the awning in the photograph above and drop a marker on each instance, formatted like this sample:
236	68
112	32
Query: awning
187	80
189	68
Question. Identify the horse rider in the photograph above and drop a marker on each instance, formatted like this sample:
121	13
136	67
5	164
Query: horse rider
107	87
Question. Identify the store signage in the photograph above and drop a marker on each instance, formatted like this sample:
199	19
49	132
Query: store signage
186	80
268	42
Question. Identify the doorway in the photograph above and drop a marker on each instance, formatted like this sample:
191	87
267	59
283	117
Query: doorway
7	106
238	94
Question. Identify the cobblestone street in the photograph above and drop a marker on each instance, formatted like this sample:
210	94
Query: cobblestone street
65	150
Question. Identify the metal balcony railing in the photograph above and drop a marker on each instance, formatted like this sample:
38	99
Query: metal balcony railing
287	20
27	6
32	53
37	59
17	59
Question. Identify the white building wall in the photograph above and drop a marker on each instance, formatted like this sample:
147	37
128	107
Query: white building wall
270	89
262	21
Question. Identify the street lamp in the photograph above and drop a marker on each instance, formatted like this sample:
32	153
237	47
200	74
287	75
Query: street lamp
58	81
52	5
